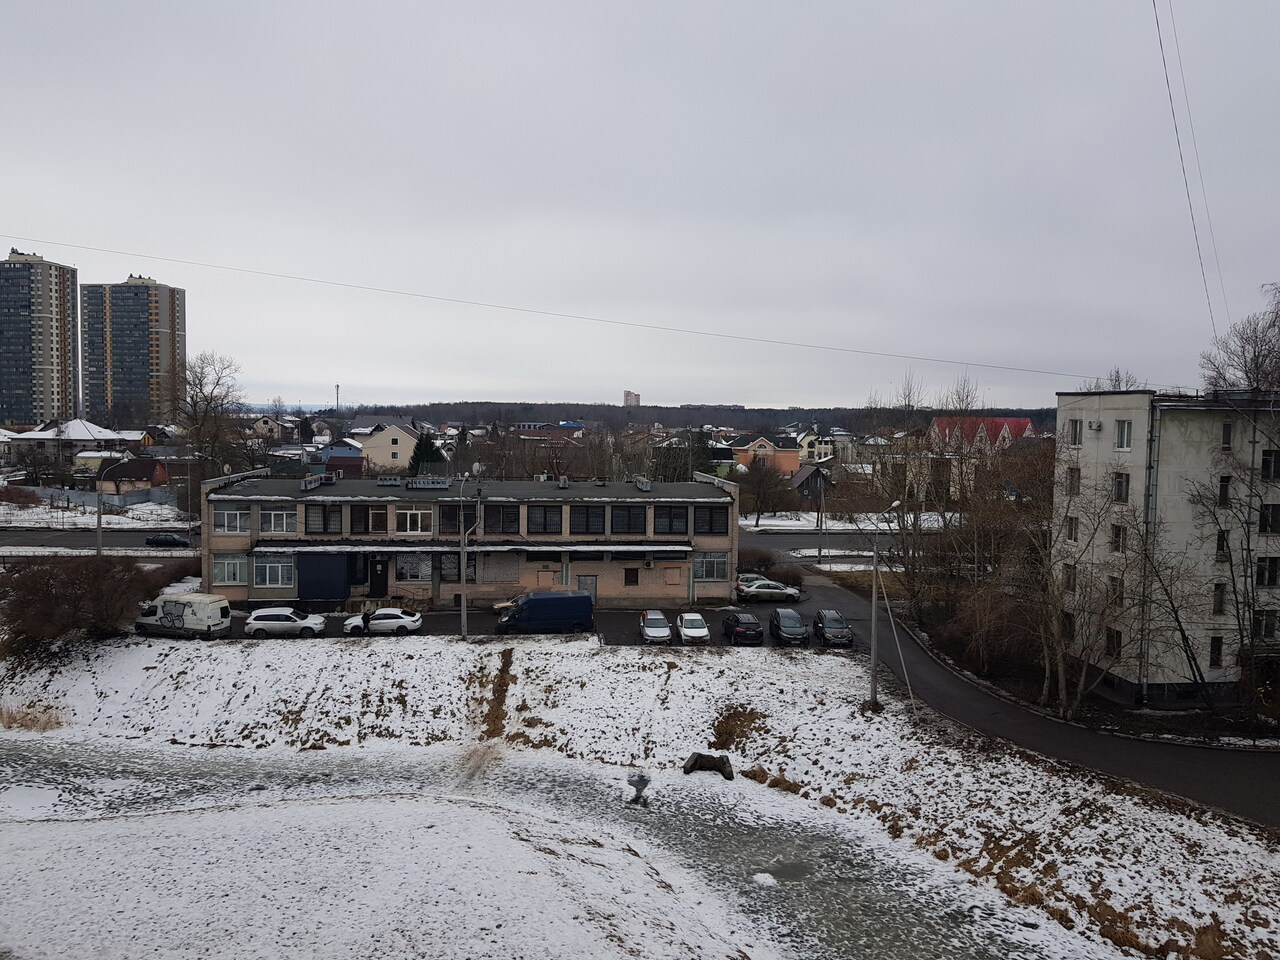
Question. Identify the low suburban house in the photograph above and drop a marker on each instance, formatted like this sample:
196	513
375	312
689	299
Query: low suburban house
61	441
331	543
137	473
389	447
782	452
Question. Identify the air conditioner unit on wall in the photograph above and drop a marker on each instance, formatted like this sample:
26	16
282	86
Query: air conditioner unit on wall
648	564
1095	424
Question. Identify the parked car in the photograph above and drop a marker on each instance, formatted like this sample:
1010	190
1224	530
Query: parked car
167	540
745	578
654	627
767	590
743	628
787	626
383	620
549	611
830	627
501	605
283	621
692	628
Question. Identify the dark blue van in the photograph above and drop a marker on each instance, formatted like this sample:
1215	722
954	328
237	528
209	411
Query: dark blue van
549	611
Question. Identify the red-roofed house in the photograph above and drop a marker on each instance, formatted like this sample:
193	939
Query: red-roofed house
977	434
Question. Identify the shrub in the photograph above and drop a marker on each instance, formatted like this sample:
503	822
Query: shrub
47	598
753	560
22	496
788	576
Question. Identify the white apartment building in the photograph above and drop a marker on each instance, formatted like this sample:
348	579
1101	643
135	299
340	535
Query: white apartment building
1167	540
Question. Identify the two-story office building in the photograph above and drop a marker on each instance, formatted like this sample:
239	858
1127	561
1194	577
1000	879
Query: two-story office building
326	542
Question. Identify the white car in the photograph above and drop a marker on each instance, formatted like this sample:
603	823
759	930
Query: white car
767	590
383	620
692	628
745	578
282	621
654	627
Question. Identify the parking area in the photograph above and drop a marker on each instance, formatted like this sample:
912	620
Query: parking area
619	627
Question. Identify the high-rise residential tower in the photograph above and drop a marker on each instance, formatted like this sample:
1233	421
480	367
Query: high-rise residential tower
38	363
133	339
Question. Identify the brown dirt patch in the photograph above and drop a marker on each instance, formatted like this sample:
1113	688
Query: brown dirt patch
496	715
734	725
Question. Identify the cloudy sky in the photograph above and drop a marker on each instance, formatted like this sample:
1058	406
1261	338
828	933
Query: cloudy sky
982	182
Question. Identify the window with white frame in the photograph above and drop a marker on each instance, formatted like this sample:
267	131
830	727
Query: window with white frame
1124	434
1073	529
1120	487
273	570
413	566
1075	432
413	519
230	568
278	518
713	565
231	518
1119	538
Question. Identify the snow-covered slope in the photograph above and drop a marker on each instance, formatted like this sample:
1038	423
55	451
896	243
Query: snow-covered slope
1148	872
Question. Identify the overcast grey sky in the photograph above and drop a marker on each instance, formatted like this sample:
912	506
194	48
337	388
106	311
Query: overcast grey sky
993	182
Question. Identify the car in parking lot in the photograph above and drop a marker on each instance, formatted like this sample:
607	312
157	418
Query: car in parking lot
745	578
743	628
767	590
167	540
383	620
283	621
692	628
830	628
654	627
787	626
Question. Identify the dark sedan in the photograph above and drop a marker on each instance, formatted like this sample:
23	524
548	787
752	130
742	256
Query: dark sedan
167	540
830	628
787	626
743	628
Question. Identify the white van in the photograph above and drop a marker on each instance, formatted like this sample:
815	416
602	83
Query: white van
196	615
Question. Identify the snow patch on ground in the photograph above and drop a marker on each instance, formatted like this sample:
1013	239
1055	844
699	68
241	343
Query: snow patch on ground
1090	851
801	521
139	516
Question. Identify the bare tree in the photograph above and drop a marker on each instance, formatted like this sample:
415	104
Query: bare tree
1114	381
211	410
1248	354
764	489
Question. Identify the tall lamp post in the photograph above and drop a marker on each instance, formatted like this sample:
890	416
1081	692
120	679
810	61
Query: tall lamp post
462	545
872	703
101	477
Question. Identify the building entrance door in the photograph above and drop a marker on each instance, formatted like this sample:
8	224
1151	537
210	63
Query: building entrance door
378	577
588	584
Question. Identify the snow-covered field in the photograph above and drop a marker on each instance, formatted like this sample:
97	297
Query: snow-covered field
136	517
800	522
1097	856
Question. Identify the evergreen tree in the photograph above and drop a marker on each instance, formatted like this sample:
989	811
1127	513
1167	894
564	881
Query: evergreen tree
425	452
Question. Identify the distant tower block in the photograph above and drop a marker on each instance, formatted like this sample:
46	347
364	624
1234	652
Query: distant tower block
630	399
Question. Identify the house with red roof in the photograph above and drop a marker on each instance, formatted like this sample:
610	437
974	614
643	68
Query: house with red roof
970	435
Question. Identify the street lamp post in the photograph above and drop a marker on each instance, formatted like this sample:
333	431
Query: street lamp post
101	477
873	704
462	545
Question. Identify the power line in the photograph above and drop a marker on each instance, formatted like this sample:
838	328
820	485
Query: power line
634	324
1186	186
1195	150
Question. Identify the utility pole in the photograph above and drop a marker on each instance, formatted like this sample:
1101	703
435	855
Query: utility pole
872	703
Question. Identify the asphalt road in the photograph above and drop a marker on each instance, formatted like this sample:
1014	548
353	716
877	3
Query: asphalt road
85	538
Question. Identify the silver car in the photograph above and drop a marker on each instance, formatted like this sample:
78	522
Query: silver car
283	622
654	627
767	590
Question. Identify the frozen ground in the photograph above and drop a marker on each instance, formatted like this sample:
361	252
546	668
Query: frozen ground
801	521
403	717
137	517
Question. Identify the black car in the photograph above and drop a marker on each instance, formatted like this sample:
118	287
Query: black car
830	628
787	626
743	628
167	540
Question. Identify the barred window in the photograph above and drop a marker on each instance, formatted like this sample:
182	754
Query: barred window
628	519
413	566
543	519
449	568
368	519
324	518
586	519
670	519
710	519
501	519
